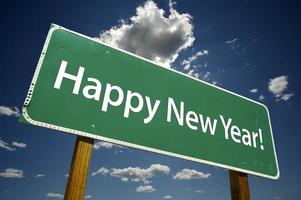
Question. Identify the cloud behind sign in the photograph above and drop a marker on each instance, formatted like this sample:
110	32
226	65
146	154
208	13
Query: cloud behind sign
153	34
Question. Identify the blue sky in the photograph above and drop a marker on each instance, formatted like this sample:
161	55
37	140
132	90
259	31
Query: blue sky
250	47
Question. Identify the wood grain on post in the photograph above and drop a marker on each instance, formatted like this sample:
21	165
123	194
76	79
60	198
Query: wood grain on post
239	185
77	179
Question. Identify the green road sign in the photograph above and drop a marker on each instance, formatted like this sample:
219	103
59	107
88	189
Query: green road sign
84	87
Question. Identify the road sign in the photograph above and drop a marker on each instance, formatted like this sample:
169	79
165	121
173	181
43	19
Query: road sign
84	87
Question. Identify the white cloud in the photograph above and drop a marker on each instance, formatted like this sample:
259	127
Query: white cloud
255	90
8	147
167	197
261	97
286	97
196	70
106	145
187	62
206	76
12	173
5	145
199	191
145	188
192	73
7	111
40	175
277	86
101	171
117	151
214	82
231	41
19	144
88	197
153	34
189	174
138	174
233	44
54	195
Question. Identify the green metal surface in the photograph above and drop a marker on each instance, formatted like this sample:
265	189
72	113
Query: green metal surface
74	113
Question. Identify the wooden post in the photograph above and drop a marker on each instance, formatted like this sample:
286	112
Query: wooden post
239	185
76	185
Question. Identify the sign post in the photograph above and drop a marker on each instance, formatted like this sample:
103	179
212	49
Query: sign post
239	185
76	185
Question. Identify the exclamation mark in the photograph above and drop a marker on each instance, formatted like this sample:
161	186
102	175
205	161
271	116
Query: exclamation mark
261	140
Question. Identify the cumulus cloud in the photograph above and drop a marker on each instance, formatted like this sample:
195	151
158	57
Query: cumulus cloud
6	146
101	171
167	197
189	174
187	62
277	86
145	188
137	174
40	175
7	111
152	33
12	173
54	195
255	90
19	144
